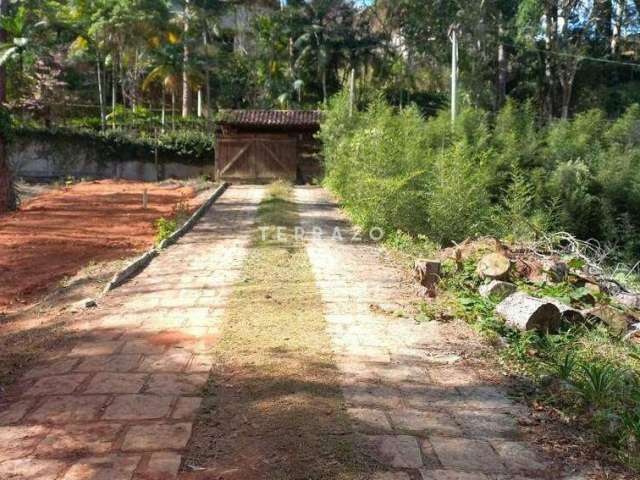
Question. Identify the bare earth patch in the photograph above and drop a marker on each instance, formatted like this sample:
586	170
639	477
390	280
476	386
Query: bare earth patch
55	234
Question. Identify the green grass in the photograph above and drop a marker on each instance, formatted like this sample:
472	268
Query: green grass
274	403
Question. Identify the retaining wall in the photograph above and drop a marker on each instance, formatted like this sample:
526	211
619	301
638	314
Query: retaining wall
40	159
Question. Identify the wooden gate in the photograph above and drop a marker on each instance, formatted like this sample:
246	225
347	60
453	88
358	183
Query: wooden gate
256	158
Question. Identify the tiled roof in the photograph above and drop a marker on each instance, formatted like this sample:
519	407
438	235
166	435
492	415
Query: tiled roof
271	118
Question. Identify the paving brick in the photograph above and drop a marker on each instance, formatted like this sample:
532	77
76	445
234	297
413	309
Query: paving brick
111	467
176	383
69	408
487	424
200	363
451	475
78	440
56	367
467	455
31	469
367	420
160	436
390	476
431	396
397	451
426	422
109	363
19	440
371	395
57	385
143	346
187	407
163	466
453	376
174	360
116	383
519	457
138	407
92	349
15	411
486	397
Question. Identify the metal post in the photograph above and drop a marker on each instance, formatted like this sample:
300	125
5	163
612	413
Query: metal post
352	91
453	35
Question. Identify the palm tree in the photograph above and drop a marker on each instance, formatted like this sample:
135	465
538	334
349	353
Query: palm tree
327	29
167	73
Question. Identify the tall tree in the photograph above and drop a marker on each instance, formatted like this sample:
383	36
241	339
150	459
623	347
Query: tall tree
7	194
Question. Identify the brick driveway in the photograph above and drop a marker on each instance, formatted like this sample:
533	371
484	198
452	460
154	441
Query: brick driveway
420	413
122	401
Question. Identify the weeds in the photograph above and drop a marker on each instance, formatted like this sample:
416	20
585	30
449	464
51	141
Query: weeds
164	229
598	384
166	226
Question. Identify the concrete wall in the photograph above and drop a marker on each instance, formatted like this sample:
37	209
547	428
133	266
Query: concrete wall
39	159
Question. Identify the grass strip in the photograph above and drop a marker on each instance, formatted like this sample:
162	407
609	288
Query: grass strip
274	407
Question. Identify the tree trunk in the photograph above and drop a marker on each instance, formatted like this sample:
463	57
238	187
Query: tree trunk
114	76
103	121
603	12
186	94
199	103
551	12
163	109
207	86
617	26
324	85
567	90
173	110
7	193
502	68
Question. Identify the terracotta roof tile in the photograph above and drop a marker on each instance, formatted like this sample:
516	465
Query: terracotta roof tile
271	118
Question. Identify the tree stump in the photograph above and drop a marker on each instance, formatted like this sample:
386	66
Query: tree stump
494	266
524	312
427	273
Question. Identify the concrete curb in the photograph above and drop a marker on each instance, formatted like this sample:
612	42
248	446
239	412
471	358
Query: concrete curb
140	263
188	225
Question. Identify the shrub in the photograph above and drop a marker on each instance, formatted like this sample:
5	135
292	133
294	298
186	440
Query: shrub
164	228
457	204
511	177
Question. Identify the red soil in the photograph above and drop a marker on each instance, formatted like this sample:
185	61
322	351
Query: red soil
56	234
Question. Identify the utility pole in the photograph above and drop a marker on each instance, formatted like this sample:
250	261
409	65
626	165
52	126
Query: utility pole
453	36
352	91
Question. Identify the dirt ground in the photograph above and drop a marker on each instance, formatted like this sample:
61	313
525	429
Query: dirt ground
54	235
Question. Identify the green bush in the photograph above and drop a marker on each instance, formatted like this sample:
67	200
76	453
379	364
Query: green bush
509	176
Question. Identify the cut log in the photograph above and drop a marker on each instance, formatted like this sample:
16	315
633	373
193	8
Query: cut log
497	289
567	312
427	273
631	300
494	266
616	321
555	271
593	288
524	312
